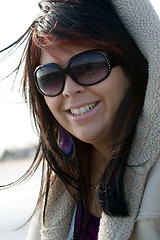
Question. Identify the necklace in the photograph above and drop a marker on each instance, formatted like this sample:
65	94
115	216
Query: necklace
95	186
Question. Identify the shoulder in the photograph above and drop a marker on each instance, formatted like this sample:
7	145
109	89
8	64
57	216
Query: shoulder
148	220
59	204
150	206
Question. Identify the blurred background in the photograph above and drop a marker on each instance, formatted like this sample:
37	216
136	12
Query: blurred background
17	136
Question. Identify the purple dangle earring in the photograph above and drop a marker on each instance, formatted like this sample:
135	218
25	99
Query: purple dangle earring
65	142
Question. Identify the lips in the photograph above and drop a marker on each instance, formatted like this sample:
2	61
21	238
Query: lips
83	110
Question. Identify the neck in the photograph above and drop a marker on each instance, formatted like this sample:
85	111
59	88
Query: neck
101	155
99	162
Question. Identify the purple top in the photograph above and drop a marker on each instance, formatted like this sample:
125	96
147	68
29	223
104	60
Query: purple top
93	224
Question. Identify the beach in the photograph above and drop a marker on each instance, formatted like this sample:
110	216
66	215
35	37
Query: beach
17	203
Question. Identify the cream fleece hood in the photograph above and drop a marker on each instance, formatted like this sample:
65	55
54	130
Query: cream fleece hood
143	23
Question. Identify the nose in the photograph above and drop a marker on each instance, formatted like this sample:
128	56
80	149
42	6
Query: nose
72	88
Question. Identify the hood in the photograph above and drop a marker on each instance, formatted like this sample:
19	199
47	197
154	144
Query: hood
143	24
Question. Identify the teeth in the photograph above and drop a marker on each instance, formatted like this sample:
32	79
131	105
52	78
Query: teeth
82	110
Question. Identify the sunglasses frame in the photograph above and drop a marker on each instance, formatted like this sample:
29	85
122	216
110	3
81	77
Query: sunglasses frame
67	70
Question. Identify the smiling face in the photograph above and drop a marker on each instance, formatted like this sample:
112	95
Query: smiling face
86	112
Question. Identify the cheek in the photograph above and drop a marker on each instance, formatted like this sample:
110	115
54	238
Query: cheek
119	92
119	84
115	89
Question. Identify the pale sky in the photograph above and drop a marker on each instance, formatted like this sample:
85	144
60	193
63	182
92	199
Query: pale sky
15	127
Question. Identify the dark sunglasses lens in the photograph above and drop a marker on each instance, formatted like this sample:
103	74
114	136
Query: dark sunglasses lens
49	80
89	68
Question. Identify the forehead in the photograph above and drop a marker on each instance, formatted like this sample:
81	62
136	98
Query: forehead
61	53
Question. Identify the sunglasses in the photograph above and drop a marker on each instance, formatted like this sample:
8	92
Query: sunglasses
86	68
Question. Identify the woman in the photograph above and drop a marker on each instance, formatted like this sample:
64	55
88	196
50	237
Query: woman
86	80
